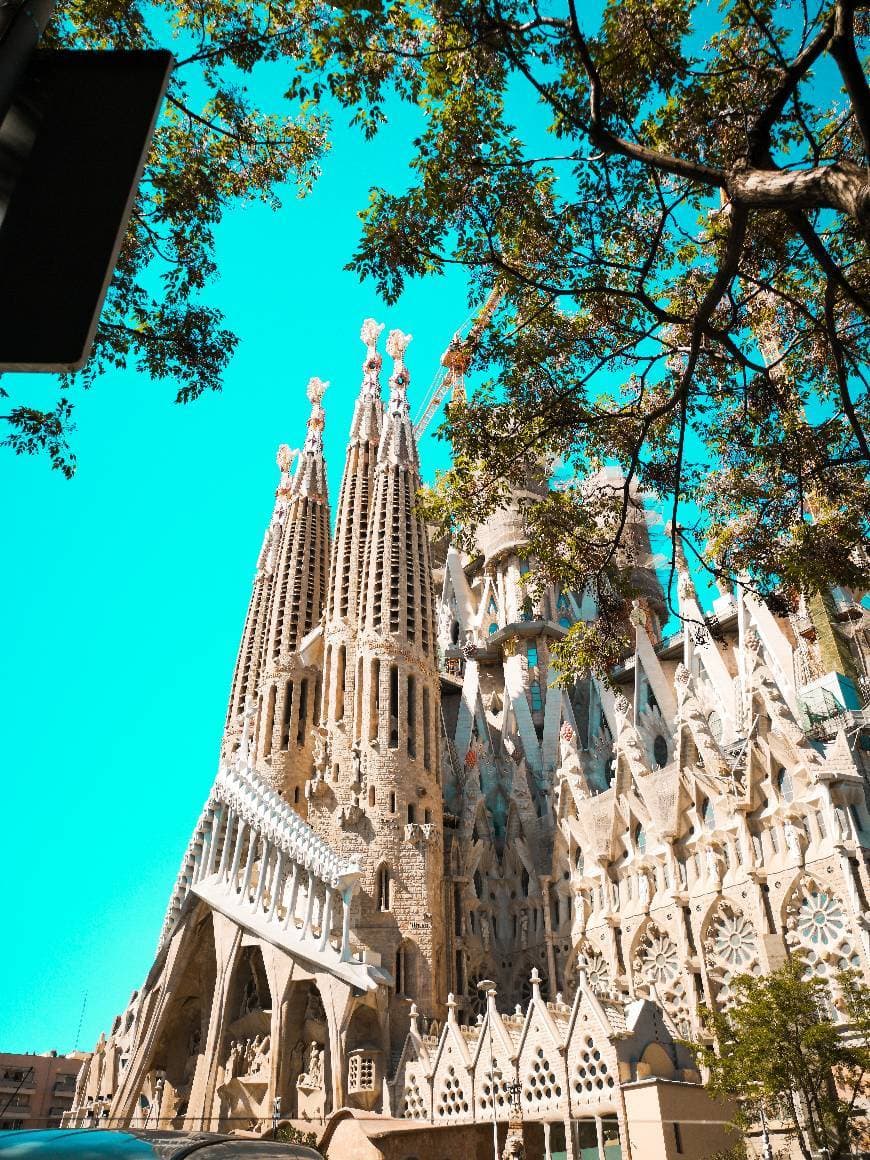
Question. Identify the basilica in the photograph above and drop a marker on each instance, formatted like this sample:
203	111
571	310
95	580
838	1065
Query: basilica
434	886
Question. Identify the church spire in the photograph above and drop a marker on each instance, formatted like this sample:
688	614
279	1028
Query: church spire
289	688
246	676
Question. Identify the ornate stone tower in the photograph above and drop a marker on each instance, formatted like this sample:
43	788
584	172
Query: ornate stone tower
289	692
378	794
246	677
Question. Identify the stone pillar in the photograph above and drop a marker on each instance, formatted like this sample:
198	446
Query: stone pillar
201	1106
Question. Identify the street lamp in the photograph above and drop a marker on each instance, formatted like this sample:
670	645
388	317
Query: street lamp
487	986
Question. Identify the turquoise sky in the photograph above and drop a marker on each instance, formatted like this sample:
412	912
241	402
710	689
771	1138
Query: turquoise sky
124	593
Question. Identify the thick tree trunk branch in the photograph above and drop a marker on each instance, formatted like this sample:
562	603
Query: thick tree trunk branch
841	186
842	49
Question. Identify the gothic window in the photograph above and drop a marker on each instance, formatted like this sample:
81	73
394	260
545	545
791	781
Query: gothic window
270	720
454	632
492	606
303	712
374	699
537	700
288	713
383	887
532	656
341	665
524	882
578	861
493	628
404	967
660	750
394	707
427	751
708	814
478	884
412	716
785	785
640	840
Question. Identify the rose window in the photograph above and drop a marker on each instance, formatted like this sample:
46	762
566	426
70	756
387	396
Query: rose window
732	939
820	919
597	971
659	962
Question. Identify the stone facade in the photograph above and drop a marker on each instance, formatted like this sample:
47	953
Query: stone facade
429	878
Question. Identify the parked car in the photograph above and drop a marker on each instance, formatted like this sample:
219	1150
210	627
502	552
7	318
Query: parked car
97	1144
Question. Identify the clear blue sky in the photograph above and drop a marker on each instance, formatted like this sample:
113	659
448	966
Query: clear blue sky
124	593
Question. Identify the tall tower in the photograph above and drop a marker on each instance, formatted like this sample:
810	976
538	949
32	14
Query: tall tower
246	677
351	534
397	720
289	691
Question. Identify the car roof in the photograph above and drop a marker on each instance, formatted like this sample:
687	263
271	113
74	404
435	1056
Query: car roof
102	1144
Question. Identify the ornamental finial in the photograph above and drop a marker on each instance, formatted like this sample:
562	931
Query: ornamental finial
316	390
285	457
370	333
397	344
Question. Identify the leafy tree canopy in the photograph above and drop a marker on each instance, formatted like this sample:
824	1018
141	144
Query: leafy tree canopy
674	203
778	1051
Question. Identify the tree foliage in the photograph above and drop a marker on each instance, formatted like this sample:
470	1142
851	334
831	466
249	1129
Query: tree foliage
213	148
676	207
779	1052
674	201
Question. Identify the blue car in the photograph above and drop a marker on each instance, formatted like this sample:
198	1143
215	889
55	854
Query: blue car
96	1144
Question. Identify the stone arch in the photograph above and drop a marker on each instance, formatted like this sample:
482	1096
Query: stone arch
658	1061
305	1072
246	1051
364	1055
181	1040
731	945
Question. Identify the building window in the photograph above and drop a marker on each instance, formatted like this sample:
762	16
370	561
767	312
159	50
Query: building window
361	1073
383	887
532	656
403	970
412	814
640	840
303	712
394	707
785	785
678	1139
708	814
340	668
412	716
537	701
427	751
493	629
660	751
392	802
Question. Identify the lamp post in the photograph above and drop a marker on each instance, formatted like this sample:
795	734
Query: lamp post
487	986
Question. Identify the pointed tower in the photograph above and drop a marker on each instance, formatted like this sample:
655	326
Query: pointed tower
289	691
246	677
348	554
397	722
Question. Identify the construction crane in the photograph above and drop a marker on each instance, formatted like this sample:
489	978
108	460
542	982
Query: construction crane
456	360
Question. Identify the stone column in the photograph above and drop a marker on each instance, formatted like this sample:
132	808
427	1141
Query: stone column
201	1107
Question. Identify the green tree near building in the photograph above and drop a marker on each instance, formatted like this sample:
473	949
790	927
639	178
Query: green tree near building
782	1054
674	200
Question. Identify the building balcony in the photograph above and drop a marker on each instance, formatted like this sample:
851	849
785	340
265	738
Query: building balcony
17	1085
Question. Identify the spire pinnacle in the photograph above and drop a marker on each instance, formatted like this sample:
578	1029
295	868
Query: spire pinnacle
310	477
369	334
397	344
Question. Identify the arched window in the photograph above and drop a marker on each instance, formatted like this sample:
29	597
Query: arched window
785	785
382	887
478	884
660	750
454	632
640	840
493	629
708	814
404	967
524	882
578	861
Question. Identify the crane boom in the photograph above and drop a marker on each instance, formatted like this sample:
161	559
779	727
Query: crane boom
457	359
